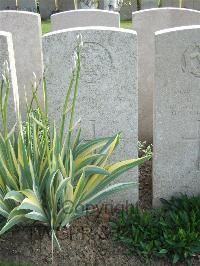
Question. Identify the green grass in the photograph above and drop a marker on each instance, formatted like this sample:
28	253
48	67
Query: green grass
46	25
126	24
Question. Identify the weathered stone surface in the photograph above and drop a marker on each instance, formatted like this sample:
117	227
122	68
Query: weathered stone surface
8	4
191	4
27	5
145	23
146	4
47	7
65	5
26	31
172	3
107	97
85	4
176	167
82	18
196	4
127	9
7	62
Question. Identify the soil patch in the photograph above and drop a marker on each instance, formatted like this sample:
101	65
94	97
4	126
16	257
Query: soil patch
87	242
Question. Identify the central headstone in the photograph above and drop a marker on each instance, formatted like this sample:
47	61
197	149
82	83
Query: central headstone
145	23
176	166
107	97
83	18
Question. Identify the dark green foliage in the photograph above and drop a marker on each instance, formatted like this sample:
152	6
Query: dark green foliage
173	231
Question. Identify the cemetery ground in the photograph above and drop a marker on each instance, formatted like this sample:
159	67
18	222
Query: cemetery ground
89	240
46	25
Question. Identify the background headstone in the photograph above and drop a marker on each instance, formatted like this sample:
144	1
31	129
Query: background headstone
172	3
126	10
107	97
65	5
47	7
7	4
145	23
190	4
7	56
101	4
82	18
176	165
135	6
146	4
26	32
85	4
27	5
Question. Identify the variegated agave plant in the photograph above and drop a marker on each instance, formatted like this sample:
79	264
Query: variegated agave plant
45	174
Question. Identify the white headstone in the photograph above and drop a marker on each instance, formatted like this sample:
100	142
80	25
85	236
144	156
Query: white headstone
145	23
8	5
26	31
27	5
7	58
83	18
107	97
47	7
177	113
65	5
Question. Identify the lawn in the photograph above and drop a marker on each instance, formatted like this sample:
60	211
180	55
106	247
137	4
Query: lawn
46	25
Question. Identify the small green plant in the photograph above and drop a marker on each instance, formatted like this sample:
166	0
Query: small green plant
173	231
48	174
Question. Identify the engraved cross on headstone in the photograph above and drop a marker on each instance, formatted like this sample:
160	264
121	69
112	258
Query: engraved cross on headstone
196	139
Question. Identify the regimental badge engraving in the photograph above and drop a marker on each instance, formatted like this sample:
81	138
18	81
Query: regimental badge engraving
191	60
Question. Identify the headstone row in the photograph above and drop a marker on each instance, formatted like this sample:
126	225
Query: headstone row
49	7
108	92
